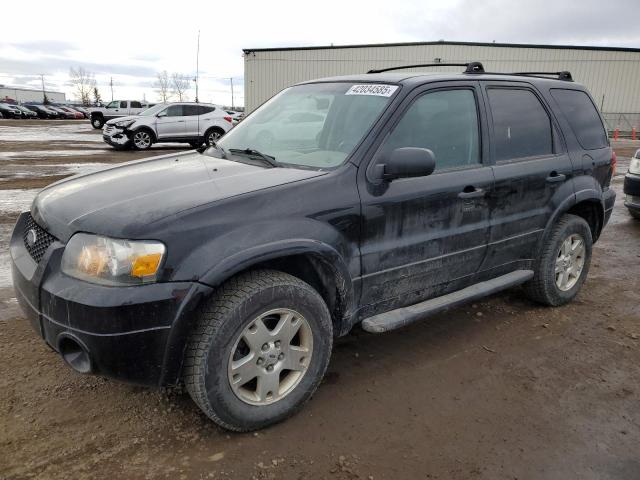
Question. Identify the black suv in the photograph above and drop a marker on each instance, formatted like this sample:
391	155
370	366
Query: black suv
232	269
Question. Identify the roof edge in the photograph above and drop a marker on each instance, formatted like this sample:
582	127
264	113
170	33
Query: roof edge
441	42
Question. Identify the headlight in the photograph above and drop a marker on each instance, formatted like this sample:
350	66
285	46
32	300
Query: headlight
634	166
124	123
111	261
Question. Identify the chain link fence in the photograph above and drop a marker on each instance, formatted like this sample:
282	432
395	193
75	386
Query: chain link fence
624	122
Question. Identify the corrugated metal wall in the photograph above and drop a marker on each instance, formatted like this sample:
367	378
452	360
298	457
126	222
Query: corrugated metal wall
612	77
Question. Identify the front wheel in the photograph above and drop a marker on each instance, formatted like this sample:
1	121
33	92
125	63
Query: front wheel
142	140
563	266
259	350
97	122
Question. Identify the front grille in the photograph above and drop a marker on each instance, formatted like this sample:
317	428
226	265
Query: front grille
42	239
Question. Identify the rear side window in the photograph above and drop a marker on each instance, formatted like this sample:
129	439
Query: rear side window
583	117
204	109
445	122
123	104
190	110
135	104
521	125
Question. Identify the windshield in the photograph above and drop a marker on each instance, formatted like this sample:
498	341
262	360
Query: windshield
153	110
315	125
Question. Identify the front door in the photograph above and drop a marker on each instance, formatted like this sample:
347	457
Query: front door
171	122
425	236
532	171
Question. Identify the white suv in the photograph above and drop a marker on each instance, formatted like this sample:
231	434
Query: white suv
192	123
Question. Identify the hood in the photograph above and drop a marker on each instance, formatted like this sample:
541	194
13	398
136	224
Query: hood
122	201
120	119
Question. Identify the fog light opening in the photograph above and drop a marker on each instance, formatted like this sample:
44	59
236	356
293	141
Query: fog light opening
75	355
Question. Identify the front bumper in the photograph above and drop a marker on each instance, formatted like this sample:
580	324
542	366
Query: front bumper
135	334
116	137
631	190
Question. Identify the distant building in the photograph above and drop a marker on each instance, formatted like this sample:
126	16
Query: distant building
22	94
611	74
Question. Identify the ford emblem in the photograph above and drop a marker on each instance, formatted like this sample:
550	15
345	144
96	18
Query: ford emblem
32	237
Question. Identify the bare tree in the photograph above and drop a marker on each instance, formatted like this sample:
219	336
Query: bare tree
83	82
97	98
179	86
162	86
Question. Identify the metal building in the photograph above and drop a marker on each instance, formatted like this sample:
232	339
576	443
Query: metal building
21	94
612	75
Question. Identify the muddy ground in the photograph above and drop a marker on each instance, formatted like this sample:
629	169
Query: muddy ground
500	389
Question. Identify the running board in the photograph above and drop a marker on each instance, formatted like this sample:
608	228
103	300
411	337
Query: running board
400	317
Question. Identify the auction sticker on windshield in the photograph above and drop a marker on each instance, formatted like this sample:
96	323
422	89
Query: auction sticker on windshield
373	89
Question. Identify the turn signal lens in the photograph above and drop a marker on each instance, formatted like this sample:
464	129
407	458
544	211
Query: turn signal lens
146	265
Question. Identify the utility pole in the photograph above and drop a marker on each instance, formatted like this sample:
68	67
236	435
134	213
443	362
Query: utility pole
111	85
197	65
232	105
44	95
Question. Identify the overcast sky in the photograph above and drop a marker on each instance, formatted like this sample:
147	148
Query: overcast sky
132	41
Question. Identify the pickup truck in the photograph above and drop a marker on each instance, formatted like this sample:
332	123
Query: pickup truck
117	108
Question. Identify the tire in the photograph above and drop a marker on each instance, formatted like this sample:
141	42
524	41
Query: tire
220	329
141	139
213	135
634	213
97	122
553	267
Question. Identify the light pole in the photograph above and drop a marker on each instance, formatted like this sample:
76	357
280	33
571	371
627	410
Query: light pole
232	105
197	65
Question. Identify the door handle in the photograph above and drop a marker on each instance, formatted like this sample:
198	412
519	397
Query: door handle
475	193
180	121
555	177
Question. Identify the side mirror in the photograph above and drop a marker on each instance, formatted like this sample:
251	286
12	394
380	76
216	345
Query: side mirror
161	114
407	162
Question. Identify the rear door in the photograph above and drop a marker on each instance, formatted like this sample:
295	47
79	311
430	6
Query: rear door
171	122
532	172
191	119
425	236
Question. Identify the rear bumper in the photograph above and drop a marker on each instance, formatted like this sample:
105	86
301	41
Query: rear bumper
631	190
134	334
608	199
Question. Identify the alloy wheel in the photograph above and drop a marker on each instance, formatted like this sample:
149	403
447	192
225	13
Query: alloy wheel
142	140
270	357
570	262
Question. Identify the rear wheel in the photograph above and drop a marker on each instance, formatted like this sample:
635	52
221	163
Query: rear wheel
259	350
212	136
142	140
97	122
563	266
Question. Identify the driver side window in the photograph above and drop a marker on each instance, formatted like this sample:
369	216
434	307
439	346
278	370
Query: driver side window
175	111
445	122
114	104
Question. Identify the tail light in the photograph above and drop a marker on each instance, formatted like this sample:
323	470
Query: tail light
614	163
228	119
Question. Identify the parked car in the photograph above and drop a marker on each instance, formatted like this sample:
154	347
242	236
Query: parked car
85	113
10	111
193	123
632	187
62	114
75	113
42	111
26	112
233	269
115	109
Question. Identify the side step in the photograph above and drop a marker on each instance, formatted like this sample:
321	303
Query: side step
385	322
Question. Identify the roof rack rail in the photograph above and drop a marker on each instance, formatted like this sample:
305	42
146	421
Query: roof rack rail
472	67
564	75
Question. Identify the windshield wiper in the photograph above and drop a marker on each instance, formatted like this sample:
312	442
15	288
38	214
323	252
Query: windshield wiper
252	152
